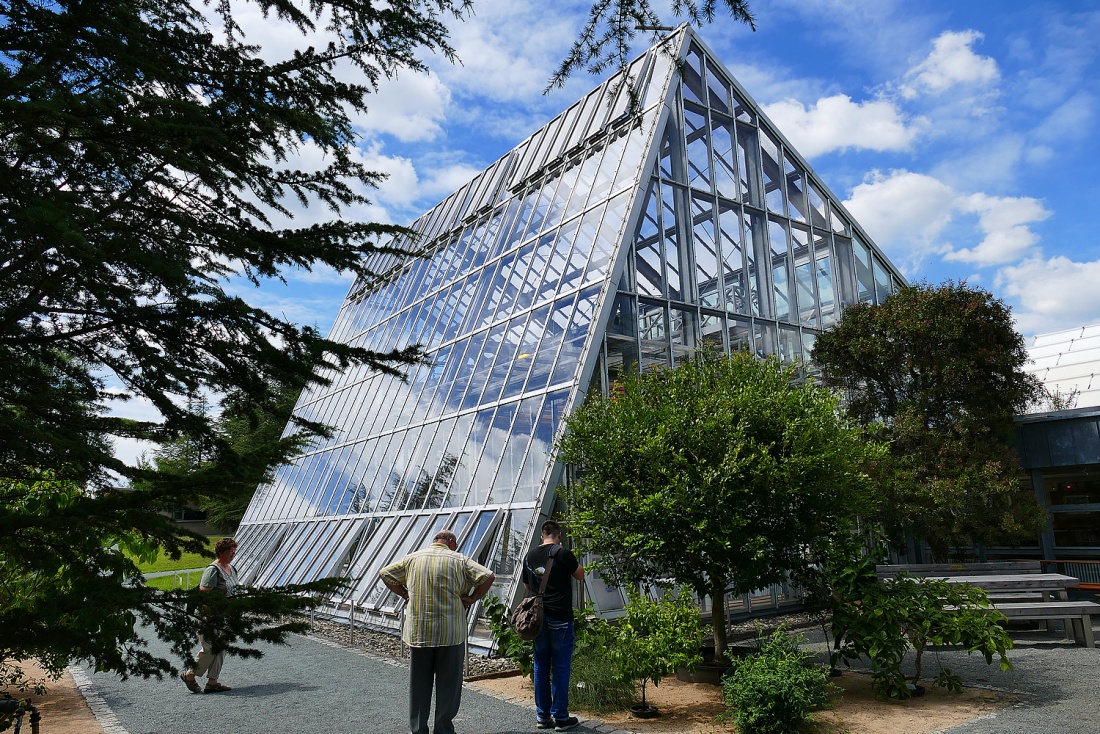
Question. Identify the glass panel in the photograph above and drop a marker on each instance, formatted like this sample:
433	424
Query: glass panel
647	243
546	356
719	89
790	345
748	166
526	353
725	176
622	354
477	532
825	291
1076	529
807	302
708	281
865	282
607	239
698	150
756	253
740	335
692	70
733	264
781	288
711	329
672	255
505	357
479	372
845	270
882	281
772	168
764	335
573	344
558	261
507	478
670	161
818	213
682	333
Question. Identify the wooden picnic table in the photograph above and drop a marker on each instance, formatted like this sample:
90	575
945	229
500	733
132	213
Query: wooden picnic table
1027	582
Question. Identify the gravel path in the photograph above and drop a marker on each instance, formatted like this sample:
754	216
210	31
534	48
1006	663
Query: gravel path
341	683
1056	682
311	685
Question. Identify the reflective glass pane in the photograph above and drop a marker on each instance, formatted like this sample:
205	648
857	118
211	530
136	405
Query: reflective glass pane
733	262
692	69
671	208
575	337
708	277
790	344
725	169
773	173
698	149
748	166
647	248
712	326
756	254
781	272
740	335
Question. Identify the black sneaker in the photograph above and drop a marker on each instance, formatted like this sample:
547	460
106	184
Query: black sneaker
544	724
566	724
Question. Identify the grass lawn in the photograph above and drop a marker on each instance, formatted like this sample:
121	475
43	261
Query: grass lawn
180	581
187	560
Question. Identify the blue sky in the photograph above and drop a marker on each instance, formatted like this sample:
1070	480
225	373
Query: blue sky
960	134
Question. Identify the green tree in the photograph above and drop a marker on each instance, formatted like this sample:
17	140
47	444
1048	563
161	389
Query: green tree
723	474
937	372
149	158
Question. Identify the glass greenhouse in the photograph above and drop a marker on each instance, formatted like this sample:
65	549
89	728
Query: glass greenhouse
660	212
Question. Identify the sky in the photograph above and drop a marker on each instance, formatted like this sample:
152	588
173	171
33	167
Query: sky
960	134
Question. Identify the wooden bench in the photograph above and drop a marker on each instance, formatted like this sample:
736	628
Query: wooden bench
1078	612
884	571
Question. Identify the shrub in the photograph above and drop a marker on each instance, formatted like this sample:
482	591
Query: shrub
907	613
774	690
657	637
509	644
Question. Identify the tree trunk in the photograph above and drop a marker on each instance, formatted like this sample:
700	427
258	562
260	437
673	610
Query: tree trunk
718	620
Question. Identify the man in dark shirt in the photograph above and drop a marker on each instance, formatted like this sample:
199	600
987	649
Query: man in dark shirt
554	645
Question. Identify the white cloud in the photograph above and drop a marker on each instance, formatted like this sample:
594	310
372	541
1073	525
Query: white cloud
904	212
951	63
410	107
1004	221
1051	294
908	213
838	123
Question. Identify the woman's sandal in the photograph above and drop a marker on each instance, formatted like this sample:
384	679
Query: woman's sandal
189	681
216	688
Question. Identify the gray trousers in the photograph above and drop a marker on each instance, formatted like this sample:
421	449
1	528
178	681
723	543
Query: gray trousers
441	666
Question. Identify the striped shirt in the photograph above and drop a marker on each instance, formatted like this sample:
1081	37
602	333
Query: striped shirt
436	578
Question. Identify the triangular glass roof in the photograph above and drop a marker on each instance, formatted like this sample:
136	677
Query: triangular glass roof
613	235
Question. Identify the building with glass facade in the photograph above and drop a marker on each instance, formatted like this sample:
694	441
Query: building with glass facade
660	212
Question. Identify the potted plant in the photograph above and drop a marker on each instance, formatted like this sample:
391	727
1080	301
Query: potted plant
655	638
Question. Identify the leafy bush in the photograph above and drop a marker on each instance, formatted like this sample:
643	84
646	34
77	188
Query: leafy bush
509	644
774	690
596	680
907	613
657	637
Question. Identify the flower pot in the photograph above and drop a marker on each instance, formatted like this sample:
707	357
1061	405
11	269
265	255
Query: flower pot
646	711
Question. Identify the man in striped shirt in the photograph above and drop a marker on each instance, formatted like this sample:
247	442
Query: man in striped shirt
438	585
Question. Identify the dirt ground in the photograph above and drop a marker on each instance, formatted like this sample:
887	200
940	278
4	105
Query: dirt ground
63	709
693	707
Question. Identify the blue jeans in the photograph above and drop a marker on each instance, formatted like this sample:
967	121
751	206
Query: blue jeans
553	657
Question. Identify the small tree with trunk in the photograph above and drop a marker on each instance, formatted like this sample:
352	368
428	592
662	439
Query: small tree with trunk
723	474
